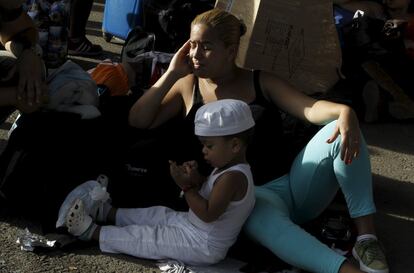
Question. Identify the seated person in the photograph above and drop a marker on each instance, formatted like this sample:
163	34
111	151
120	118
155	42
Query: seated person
219	204
204	70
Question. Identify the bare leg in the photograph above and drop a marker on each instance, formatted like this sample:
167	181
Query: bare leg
367	250
365	224
347	267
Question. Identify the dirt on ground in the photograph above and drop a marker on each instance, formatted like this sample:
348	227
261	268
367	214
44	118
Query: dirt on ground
78	258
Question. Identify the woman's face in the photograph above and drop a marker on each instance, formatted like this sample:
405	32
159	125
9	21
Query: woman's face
208	53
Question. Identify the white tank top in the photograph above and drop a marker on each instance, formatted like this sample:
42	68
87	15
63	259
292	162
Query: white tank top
223	232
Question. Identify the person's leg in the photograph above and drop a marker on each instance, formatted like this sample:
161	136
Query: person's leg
303	195
314	178
178	242
157	215
79	14
78	44
168	236
317	173
270	225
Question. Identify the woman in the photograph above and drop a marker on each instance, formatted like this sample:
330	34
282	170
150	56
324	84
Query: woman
204	70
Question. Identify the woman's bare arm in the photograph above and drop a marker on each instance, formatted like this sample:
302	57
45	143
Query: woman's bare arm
289	99
165	98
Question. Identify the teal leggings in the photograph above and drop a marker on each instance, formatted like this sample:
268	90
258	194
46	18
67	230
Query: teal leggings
285	203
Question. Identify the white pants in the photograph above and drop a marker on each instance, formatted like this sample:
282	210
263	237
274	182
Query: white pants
158	233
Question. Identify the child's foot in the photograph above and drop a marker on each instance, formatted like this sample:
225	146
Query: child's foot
94	196
83	47
370	256
79	223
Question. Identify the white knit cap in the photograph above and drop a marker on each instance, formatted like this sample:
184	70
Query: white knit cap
222	118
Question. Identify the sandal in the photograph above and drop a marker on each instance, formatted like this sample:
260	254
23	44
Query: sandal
77	221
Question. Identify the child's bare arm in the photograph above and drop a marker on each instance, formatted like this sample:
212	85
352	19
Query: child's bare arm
230	186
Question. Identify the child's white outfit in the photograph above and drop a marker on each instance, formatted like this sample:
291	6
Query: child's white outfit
160	233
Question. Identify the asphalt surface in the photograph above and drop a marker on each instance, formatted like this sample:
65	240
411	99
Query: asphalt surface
391	147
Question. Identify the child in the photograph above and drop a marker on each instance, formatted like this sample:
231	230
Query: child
219	204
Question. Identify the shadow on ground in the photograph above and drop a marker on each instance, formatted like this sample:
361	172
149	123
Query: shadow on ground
395	221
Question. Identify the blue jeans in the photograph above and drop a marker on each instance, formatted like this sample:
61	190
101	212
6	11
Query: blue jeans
301	195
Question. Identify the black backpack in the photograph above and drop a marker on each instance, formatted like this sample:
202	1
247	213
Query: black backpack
47	155
135	52
50	153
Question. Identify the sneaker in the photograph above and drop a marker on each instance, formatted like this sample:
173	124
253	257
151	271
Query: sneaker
370	255
77	220
83	47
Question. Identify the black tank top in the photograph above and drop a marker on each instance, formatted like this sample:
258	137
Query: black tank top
267	154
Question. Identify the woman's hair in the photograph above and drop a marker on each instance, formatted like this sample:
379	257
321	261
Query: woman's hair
228	26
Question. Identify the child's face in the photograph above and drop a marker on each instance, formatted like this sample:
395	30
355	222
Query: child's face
218	151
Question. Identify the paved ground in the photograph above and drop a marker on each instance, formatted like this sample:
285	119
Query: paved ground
392	156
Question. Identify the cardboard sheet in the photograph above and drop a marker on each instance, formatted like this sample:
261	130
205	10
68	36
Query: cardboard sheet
295	39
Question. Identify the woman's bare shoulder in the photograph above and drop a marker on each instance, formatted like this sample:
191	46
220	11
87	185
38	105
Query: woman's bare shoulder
185	87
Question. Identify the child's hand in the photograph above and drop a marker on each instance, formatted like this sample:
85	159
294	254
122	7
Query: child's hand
186	175
179	175
191	168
